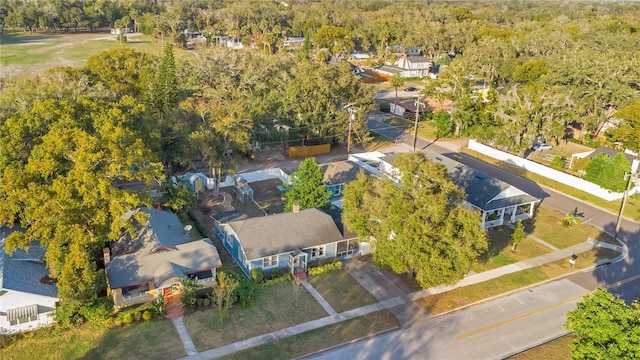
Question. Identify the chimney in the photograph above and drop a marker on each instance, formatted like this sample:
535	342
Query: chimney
296	207
106	253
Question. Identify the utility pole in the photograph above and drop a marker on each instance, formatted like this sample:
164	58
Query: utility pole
624	201
349	135
415	128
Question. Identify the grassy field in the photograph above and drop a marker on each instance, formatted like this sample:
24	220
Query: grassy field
274	310
320	339
632	210
559	349
450	300
500	254
341	291
547	225
23	53
147	340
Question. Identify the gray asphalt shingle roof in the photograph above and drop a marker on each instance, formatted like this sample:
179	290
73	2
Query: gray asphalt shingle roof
23	270
163	229
479	187
281	233
161	249
339	172
139	268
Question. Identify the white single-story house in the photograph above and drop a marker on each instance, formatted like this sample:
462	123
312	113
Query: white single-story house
498	202
27	295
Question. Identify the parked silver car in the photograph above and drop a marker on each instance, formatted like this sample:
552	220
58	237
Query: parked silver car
541	147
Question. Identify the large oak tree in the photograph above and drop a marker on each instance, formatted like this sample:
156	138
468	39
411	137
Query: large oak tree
417	226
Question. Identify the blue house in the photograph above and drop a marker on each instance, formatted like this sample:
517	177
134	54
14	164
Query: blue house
338	174
288	240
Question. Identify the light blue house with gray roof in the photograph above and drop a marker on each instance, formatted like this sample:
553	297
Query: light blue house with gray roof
27	295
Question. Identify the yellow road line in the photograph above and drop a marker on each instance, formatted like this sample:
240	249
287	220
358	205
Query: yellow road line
535	312
517	318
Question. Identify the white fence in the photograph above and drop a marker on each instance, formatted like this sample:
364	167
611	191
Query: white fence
259	175
546	171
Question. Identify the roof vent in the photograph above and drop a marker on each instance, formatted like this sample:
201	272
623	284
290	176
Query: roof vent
187	228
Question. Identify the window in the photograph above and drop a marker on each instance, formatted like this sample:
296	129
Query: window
317	251
347	247
337	190
270	261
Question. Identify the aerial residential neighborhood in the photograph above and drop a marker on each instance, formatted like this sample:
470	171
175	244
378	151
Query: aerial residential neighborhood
319	179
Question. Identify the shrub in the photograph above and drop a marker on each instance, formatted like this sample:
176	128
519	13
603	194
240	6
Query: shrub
147	315
245	292
199	302
557	163
313	271
137	315
257	275
278	280
117	321
385	107
206	302
127	318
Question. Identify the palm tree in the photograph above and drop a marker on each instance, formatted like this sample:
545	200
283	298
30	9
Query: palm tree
396	80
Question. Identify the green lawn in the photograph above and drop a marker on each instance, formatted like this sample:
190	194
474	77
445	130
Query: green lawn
26	53
547	225
467	295
341	291
274	310
632	210
147	340
322	338
559	349
500	254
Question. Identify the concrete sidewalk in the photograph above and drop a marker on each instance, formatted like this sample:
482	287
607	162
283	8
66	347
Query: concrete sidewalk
522	265
294	330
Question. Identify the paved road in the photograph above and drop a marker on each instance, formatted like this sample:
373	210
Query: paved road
505	325
391	94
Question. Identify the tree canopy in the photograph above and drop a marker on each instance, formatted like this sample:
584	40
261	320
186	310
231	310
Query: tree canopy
609	172
306	188
418	226
605	327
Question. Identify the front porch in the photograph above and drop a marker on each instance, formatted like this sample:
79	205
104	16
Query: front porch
507	215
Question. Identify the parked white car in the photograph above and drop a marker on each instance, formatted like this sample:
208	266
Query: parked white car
541	147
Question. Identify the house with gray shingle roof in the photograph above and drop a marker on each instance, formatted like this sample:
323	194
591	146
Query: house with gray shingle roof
148	263
27	294
338	174
288	240
497	201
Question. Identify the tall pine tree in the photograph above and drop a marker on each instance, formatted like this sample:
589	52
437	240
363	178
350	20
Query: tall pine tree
164	94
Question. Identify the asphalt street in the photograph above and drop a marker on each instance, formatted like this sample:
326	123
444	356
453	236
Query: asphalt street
508	324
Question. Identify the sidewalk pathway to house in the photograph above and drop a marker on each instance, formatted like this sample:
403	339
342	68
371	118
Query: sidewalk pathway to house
184	336
382	288
316	295
294	330
522	265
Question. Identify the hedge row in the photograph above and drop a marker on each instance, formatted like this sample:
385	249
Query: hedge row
317	270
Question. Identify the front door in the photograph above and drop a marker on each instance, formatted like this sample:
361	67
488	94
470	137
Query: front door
166	292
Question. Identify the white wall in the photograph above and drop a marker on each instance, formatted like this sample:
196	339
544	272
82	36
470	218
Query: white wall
546	171
259	175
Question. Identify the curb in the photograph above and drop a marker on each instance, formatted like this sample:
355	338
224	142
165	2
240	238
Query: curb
590	267
537	346
318	352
